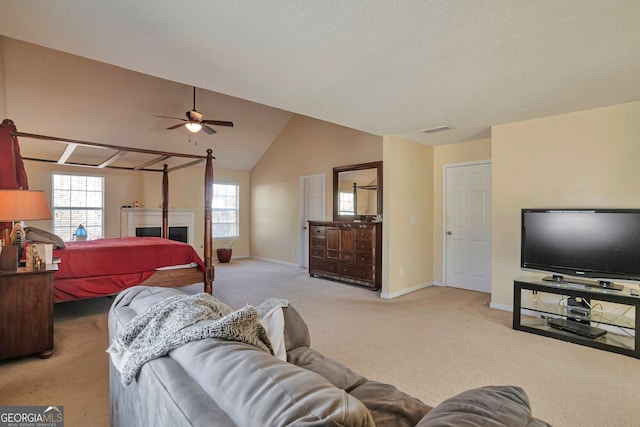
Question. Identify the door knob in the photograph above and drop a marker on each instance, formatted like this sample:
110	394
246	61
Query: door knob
449	233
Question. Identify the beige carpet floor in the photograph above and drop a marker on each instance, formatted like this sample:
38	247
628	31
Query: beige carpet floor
433	344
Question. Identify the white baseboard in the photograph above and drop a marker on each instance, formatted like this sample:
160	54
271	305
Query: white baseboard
437	283
276	261
393	295
503	307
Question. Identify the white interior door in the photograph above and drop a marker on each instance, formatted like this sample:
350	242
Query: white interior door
468	226
312	199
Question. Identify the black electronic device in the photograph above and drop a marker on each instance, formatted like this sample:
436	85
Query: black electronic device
576	328
593	243
580	308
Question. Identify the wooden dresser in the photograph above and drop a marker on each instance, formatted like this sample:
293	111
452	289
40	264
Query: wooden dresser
346	251
26	312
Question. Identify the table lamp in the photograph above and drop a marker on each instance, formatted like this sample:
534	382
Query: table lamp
20	205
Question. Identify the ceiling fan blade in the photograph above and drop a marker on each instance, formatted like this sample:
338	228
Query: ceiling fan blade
174	118
218	123
176	126
207	129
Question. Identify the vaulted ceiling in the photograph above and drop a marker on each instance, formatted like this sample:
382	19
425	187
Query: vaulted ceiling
384	67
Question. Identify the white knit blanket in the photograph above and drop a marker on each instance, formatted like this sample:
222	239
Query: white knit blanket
183	318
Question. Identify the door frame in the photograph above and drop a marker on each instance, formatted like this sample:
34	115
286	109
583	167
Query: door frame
301	204
444	207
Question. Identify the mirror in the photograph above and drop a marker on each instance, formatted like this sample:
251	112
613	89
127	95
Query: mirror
357	191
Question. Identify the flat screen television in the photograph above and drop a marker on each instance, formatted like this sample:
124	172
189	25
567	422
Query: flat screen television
600	244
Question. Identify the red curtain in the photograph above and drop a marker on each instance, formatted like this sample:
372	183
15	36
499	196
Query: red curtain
12	173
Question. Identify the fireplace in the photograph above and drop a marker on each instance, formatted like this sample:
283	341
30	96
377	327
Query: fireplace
145	222
179	234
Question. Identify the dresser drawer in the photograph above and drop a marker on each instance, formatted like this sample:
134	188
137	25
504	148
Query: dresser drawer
363	245
364	258
318	241
357	272
318	252
317	230
324	265
363	233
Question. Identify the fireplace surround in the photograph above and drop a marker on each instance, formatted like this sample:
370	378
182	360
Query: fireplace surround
147	222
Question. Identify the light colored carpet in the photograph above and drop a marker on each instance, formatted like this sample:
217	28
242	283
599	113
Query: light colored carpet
432	344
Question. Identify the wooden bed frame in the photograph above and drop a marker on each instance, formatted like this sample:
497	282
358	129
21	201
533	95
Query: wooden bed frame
169	277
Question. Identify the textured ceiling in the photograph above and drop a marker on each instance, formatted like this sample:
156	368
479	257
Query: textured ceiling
383	67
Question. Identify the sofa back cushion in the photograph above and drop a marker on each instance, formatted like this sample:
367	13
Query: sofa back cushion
490	406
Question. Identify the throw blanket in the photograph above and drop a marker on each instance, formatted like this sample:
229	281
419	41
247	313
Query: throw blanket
181	319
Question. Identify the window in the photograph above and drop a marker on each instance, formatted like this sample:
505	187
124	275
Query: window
78	200
345	203
226	202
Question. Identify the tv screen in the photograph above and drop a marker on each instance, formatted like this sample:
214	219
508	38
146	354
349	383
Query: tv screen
594	243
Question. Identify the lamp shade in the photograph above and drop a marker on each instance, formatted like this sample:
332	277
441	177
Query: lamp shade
23	205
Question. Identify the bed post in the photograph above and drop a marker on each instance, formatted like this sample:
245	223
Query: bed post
209	271
165	202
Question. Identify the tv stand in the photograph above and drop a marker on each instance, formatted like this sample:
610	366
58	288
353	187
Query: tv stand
537	301
605	284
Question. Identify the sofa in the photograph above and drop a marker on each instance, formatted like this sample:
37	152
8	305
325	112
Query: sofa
215	382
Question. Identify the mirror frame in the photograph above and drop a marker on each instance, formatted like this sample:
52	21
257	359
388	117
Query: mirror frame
351	168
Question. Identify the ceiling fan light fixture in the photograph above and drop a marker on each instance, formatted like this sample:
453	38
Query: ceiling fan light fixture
193	127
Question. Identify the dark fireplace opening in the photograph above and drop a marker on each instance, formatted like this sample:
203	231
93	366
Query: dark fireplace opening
178	234
148	231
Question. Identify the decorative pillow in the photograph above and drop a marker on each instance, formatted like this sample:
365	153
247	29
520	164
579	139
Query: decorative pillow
38	235
491	406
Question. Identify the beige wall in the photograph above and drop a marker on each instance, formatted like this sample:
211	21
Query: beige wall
443	155
305	147
582	159
408	193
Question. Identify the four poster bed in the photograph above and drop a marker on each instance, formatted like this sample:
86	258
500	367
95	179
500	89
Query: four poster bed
105	267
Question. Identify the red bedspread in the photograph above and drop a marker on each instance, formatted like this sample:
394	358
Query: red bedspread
107	266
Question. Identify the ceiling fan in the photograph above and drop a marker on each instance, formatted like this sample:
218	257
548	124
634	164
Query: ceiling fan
194	122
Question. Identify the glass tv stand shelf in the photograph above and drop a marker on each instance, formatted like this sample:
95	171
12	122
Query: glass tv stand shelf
535	301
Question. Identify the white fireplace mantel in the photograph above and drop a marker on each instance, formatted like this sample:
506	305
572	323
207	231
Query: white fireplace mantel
132	218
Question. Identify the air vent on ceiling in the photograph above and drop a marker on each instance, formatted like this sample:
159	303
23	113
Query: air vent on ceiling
438	129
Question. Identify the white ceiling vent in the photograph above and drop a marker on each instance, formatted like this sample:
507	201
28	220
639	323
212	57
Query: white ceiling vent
438	129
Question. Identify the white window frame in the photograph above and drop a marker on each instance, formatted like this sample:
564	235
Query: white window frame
72	227
216	234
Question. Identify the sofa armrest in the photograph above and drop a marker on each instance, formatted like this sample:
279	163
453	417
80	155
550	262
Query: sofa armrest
490	406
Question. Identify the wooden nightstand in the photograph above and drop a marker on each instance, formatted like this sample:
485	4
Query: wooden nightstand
26	312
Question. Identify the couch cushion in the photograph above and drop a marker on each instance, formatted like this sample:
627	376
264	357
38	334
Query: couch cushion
389	406
335	372
491	406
